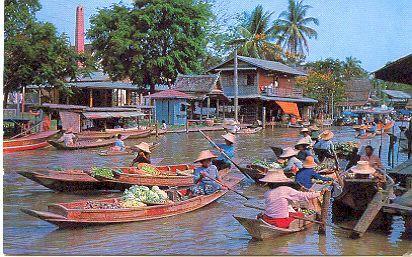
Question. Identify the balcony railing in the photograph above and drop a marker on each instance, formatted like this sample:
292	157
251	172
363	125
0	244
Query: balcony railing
284	92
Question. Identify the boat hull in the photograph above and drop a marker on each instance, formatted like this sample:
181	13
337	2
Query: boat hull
70	215
131	134
82	145
31	142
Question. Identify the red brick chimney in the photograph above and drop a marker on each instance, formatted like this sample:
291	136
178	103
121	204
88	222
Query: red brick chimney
79	44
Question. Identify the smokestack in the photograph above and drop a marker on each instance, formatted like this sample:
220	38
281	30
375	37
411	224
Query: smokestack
79	44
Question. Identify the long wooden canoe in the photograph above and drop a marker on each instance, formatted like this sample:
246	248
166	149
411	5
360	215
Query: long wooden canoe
78	180
152	145
30	142
132	134
76	214
249	130
84	144
261	230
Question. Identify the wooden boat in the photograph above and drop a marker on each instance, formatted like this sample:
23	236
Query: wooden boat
131	134
84	144
78	180
261	230
75	214
30	142
249	130
153	146
295	126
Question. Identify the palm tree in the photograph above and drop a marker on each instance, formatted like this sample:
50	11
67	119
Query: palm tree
256	37
292	27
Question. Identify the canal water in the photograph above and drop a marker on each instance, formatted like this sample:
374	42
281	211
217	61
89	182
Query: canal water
209	231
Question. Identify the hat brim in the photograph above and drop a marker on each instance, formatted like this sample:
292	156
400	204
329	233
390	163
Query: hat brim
363	172
229	139
141	149
205	158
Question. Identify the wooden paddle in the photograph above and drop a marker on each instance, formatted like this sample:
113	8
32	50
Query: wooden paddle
299	218
241	169
230	189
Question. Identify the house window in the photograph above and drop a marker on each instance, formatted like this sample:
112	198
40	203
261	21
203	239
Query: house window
250	79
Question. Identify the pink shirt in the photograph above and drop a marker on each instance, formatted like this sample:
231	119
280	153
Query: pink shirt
277	200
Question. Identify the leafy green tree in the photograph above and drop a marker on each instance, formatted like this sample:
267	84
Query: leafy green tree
151	41
293	28
255	38
34	53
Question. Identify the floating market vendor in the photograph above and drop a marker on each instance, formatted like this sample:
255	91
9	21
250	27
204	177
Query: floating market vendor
324	147
204	175
293	163
306	135
314	133
364	169
119	144
303	146
278	209
362	130
305	175
373	128
374	160
68	138
229	148
143	155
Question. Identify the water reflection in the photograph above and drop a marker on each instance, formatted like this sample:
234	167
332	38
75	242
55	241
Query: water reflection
209	231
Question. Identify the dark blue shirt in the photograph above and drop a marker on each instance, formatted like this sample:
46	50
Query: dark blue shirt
305	175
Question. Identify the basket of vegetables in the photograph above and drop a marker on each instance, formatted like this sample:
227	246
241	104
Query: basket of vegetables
102	173
344	149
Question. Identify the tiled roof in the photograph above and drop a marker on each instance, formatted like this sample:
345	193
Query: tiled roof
196	83
397	94
358	90
266	65
170	94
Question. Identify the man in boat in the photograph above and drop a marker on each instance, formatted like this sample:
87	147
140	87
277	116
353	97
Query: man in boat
68	138
364	169
373	128
229	148
143	154
205	175
119	144
324	147
278	209
307	173
306	135
303	149
293	164
374	160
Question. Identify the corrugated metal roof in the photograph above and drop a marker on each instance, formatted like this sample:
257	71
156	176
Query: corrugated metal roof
397	94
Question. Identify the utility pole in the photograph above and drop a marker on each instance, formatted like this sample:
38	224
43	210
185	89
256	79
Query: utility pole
236	87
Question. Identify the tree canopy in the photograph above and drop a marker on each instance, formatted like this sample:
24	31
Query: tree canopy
151	41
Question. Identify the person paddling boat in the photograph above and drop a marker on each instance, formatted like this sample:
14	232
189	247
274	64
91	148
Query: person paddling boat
68	138
229	148
324	147
278	209
303	147
305	175
119	144
143	154
306	135
293	164
204	175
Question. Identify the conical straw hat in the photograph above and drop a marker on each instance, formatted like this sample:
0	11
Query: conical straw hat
363	167
275	176
288	152
309	162
302	141
145	147
326	135
304	130
204	155
229	137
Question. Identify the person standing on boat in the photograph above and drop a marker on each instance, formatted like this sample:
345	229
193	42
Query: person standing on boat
143	155
68	138
119	144
305	175
303	147
293	163
278	209
205	175
324	147
229	148
374	161
306	135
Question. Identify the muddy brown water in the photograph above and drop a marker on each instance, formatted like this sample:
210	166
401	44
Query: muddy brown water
209	231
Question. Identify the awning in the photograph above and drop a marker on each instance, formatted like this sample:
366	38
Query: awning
105	115
289	108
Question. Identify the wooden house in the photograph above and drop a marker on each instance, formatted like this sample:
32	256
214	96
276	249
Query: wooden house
357	94
263	83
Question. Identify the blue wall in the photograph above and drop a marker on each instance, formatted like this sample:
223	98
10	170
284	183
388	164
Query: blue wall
171	111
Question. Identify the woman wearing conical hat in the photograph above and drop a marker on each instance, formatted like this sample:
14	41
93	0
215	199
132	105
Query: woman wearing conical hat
143	154
305	132
305	175
229	148
324	147
205	174
303	147
293	163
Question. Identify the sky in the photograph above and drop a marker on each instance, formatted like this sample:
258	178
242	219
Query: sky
374	31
